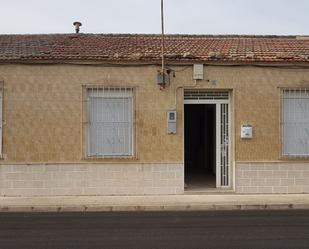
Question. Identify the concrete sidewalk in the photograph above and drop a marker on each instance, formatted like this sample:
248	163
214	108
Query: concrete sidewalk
153	203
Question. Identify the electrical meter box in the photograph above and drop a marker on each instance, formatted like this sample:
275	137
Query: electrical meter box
171	122
162	78
198	71
246	131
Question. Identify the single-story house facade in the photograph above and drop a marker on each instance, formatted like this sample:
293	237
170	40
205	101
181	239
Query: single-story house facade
91	114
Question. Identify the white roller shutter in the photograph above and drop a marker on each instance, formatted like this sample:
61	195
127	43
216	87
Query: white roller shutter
296	122
110	122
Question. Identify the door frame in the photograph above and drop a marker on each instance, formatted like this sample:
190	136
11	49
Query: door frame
218	103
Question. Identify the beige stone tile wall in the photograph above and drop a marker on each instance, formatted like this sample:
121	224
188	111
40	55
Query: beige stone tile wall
95	179
272	177
43	117
43	120
43	112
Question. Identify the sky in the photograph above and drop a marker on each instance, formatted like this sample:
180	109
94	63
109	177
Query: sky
260	17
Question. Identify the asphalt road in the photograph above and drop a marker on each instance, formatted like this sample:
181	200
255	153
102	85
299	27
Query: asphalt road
213	229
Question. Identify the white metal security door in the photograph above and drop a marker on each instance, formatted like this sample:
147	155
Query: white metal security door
222	102
223	169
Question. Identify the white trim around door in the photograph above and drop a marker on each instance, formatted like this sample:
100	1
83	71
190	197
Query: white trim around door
222	100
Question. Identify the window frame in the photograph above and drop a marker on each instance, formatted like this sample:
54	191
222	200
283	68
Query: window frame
284	155
1	119
86	123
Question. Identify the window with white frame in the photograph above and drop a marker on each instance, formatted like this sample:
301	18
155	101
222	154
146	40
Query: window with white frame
1	109
110	114
295	122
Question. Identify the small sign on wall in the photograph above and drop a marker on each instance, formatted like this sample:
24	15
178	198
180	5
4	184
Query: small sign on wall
246	131
171	122
198	71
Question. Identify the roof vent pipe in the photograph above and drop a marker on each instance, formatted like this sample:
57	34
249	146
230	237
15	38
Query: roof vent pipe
77	25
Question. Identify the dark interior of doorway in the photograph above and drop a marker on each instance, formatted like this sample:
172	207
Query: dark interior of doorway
200	146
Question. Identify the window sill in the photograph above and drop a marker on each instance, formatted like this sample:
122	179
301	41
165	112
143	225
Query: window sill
295	157
110	158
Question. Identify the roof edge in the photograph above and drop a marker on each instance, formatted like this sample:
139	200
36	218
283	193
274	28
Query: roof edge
167	35
158	63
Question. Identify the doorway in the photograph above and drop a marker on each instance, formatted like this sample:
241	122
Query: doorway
200	146
206	140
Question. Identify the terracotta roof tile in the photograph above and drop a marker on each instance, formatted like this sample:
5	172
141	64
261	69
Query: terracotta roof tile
146	48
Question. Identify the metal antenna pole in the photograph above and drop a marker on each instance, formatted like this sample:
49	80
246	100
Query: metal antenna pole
162	38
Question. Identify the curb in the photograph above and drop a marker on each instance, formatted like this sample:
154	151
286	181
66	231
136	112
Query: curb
145	208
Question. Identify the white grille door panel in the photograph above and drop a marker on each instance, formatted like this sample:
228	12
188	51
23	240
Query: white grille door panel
224	144
205	95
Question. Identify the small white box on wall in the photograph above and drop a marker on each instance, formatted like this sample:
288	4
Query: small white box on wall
198	71
171	122
246	131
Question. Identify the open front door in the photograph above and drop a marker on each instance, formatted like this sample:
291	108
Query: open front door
207	139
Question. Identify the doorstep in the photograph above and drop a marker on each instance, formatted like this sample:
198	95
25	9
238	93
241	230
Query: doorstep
206	190
209	192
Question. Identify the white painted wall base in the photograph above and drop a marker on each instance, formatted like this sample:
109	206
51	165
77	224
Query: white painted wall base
272	177
143	179
91	179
